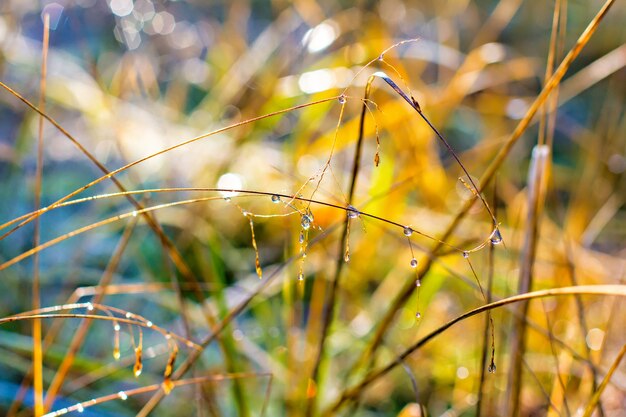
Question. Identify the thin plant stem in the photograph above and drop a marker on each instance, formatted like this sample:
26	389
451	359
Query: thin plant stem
331	299
352	392
36	289
407	289
595	399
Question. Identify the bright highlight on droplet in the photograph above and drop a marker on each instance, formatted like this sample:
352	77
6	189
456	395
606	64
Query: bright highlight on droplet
320	37
229	181
462	372
594	339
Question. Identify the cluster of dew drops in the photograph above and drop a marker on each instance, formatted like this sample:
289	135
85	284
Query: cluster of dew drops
307	220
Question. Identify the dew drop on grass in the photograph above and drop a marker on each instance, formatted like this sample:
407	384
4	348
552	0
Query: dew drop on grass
496	237
414	263
418	315
149	324
134	213
353	213
300	276
346	257
465	254
122	395
306	221
408	231
116	341
418	282
80	408
342	99
301	238
492	368
89	307
275	199
138	367
168	385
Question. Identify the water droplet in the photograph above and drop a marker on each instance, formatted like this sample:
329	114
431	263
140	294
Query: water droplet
138	367
300	276
168	336
301	238
418	282
306	221
380	57
168	386
275	199
413	263
492	368
149	324
346	257
134	213
408	231
227	199
129	315
418	315
353	213
496	237
80	408
465	254
245	213
122	395
89	307
342	99
117	327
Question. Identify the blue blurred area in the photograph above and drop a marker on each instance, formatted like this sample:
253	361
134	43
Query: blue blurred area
9	390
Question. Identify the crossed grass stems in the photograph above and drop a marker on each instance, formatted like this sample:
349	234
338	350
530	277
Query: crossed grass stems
299	206
306	214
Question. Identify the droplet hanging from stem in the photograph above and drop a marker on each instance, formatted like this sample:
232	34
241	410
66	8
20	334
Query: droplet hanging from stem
168	384
116	341
138	367
257	260
418	282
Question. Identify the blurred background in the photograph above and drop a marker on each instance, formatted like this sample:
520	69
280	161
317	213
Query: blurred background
128	78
